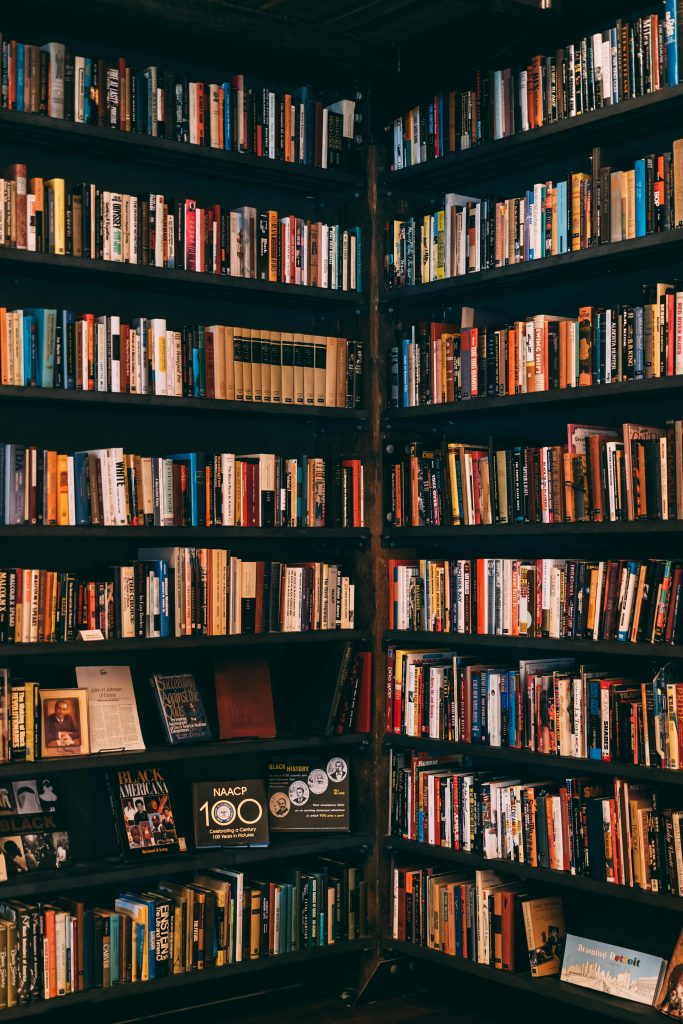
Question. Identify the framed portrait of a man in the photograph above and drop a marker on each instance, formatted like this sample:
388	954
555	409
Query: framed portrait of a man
64	723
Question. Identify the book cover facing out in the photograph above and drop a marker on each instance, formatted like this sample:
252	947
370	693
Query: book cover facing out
145	823
309	795
230	813
621	972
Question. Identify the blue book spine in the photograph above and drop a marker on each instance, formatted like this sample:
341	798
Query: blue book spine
195	369
299	488
562	213
430	120
640	197
30	331
20	76
671	34
68	354
404	368
227	118
541	241
164	598
528	209
81	488
638	345
139	947
458	922
594	752
87	82
114	946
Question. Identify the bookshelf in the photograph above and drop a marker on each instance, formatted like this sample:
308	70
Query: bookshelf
601	276
196	43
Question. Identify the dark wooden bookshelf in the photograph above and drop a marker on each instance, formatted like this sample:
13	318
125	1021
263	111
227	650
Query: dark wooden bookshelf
415	638
212	751
411	848
408	536
116	872
564	271
79	271
437	417
124	404
315	535
519	757
95	997
640	117
547	988
130	148
173	643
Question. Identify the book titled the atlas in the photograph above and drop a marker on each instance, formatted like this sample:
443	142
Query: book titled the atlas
181	708
621	972
141	802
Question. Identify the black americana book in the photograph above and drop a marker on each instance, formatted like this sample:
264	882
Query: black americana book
32	832
143	813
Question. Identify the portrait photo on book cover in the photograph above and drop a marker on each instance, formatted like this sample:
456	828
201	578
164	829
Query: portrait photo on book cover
64	722
670	999
149	822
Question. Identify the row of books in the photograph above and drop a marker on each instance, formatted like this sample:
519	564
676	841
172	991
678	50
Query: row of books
625	60
587	209
53	216
548	705
61	348
175	592
618	832
55	948
241	114
490	920
596	477
101	713
110	487
434	363
562	598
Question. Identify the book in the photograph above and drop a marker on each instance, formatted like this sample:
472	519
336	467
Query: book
143	813
230	813
309	795
618	971
64	722
180	707
669	999
545	934
244	698
34	834
113	721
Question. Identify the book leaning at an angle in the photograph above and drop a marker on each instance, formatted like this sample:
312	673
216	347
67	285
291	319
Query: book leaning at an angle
145	822
181	707
545	934
621	972
112	710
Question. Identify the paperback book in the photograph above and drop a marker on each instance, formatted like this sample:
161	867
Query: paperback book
34	835
621	972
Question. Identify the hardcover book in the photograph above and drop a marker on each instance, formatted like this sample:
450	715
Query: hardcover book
621	972
230	813
309	795
143	814
181	708
33	834
545	934
244	698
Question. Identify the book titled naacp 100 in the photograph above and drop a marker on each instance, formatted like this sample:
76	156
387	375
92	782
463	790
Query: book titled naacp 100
612	969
